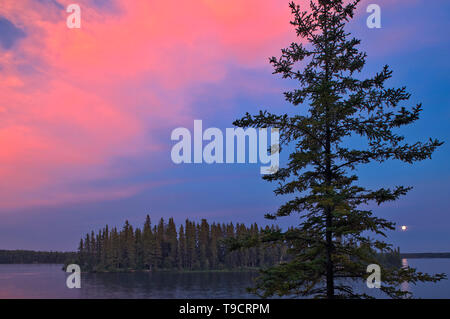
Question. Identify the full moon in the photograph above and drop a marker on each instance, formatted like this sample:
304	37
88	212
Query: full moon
404	228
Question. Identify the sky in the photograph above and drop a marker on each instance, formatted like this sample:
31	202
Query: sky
86	114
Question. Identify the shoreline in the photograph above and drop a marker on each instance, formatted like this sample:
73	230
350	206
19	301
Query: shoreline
179	271
424	255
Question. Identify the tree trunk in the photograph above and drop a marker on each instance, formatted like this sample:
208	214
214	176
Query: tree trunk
328	177
329	225
330	274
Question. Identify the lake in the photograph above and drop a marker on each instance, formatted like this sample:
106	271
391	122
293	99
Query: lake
49	281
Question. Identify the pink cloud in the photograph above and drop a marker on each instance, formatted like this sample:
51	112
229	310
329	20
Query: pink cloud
77	107
73	101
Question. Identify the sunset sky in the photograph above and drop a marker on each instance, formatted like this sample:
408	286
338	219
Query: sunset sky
86	114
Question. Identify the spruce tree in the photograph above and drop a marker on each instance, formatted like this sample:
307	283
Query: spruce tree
81	253
87	249
93	255
116	256
159	249
181	249
172	244
128	249
190	245
214	242
203	244
338	236
230	256
148	243
139	249
107	253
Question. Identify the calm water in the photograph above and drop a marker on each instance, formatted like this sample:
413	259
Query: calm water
49	281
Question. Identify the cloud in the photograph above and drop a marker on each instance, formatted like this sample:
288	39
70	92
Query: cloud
75	102
9	33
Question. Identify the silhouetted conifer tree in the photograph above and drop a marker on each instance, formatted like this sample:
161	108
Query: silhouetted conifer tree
332	239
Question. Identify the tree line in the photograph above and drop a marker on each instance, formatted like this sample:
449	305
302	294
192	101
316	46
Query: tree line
193	246
34	257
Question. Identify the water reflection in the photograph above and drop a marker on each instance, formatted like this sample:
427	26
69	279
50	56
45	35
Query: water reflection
405	285
49	281
168	285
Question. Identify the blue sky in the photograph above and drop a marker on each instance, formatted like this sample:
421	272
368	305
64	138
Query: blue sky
231	80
